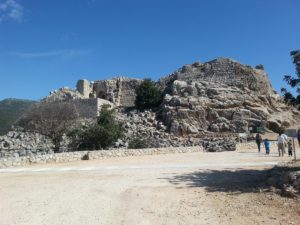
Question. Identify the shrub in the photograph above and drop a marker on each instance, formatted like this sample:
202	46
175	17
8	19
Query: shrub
100	135
137	143
148	95
260	67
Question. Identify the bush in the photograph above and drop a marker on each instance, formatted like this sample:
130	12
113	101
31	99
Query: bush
148	95
137	143
100	135
260	67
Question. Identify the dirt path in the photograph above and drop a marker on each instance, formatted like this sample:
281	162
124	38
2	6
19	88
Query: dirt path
196	188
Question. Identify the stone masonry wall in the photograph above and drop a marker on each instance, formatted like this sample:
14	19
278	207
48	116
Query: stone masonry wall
90	108
83	87
87	108
120	91
91	155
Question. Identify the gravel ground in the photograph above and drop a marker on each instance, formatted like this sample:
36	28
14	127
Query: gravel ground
192	188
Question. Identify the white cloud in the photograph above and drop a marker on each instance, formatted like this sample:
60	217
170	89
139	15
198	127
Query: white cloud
65	53
11	10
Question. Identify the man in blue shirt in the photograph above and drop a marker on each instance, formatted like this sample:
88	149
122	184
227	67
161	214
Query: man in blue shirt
267	146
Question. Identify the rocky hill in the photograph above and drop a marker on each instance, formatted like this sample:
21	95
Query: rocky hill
222	96
209	104
219	96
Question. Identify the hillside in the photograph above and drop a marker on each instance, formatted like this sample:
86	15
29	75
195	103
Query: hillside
10	110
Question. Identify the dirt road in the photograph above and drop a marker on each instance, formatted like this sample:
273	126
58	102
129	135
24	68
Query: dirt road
194	188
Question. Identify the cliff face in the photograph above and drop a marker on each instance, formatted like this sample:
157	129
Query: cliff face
222	96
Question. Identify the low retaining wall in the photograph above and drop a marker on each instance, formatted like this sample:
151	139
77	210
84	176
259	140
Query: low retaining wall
90	155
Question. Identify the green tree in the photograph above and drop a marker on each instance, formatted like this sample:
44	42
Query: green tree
293	81
148	95
102	134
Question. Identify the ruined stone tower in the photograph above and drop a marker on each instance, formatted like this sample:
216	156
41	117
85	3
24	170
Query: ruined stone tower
84	88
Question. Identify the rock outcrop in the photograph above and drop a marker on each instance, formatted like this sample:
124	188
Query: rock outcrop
17	144
222	96
147	126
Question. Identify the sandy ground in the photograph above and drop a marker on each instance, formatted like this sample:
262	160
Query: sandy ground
194	188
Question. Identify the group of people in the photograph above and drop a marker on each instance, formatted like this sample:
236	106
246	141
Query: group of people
282	142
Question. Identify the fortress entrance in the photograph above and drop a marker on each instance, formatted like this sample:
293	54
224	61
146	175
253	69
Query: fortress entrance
102	95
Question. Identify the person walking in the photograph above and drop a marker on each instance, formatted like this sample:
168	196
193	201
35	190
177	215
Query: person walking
298	137
267	146
290	147
281	144
258	140
286	140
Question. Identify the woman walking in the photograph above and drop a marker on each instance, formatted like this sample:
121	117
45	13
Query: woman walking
258	140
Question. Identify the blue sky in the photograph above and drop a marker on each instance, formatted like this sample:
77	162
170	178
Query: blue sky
45	45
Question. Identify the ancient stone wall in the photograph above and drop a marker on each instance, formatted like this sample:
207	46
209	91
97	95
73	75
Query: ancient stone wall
83	155
120	91
84	88
87	108
90	108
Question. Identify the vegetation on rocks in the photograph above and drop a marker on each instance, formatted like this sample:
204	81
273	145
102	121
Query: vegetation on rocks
100	135
137	143
148	95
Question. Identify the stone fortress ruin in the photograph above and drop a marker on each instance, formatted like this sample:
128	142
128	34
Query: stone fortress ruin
120	91
90	96
205	104
221	95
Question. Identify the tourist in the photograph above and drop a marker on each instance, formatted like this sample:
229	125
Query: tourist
290	148
281	144
267	146
298	137
258	140
286	140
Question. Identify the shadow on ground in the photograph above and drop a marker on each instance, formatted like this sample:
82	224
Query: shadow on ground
239	181
234	181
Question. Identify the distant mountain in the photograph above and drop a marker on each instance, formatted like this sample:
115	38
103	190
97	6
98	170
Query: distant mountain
10	111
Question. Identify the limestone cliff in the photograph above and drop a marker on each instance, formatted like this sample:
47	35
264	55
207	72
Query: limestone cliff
222	96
